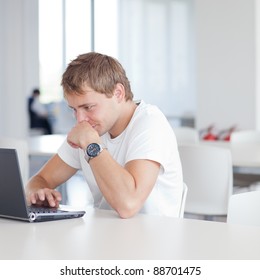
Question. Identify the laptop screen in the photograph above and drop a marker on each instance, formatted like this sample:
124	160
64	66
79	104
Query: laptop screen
12	199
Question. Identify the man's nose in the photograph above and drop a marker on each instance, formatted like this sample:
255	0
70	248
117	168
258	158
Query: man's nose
81	116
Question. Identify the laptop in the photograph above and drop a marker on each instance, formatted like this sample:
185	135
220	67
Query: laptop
12	196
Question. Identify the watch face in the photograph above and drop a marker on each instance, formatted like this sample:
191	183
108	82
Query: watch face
93	149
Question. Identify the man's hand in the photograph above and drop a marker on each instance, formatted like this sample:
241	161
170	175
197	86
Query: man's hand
45	197
82	134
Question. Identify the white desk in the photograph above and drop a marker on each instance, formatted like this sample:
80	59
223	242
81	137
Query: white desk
103	235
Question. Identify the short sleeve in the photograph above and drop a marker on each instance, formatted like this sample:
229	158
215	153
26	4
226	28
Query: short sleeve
69	155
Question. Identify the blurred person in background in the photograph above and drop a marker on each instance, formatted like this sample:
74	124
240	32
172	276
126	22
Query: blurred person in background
39	117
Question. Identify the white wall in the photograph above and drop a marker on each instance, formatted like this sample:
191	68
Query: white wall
19	68
226	63
257	34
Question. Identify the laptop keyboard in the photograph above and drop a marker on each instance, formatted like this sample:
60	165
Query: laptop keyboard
43	209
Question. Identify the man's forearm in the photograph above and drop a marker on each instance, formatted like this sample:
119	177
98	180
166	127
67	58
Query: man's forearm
115	182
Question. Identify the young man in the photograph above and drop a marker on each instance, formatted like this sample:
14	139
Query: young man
126	150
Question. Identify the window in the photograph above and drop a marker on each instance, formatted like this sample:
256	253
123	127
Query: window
50	48
64	32
156	49
151	38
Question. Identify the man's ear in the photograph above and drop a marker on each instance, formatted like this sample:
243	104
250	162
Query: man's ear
119	92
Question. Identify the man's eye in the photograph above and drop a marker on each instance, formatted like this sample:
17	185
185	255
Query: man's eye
89	108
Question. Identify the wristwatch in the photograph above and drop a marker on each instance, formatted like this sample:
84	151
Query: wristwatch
93	150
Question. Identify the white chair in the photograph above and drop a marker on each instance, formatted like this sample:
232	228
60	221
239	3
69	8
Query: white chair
244	209
248	142
183	200
23	153
207	170
186	135
245	137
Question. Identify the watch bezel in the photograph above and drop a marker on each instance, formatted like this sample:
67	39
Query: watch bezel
91	154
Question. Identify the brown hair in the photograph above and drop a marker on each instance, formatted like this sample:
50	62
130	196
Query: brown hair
98	71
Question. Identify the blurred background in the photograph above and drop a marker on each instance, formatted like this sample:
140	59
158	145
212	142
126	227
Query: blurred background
198	60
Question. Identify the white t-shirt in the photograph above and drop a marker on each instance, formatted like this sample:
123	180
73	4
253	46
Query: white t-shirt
147	136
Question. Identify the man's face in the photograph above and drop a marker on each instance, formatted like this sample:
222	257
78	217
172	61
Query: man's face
97	109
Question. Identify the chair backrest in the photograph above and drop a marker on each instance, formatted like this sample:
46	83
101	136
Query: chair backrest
183	200
245	137
244	208
23	153
186	135
207	170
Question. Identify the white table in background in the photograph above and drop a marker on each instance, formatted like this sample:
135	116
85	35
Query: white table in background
45	145
245	158
243	155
